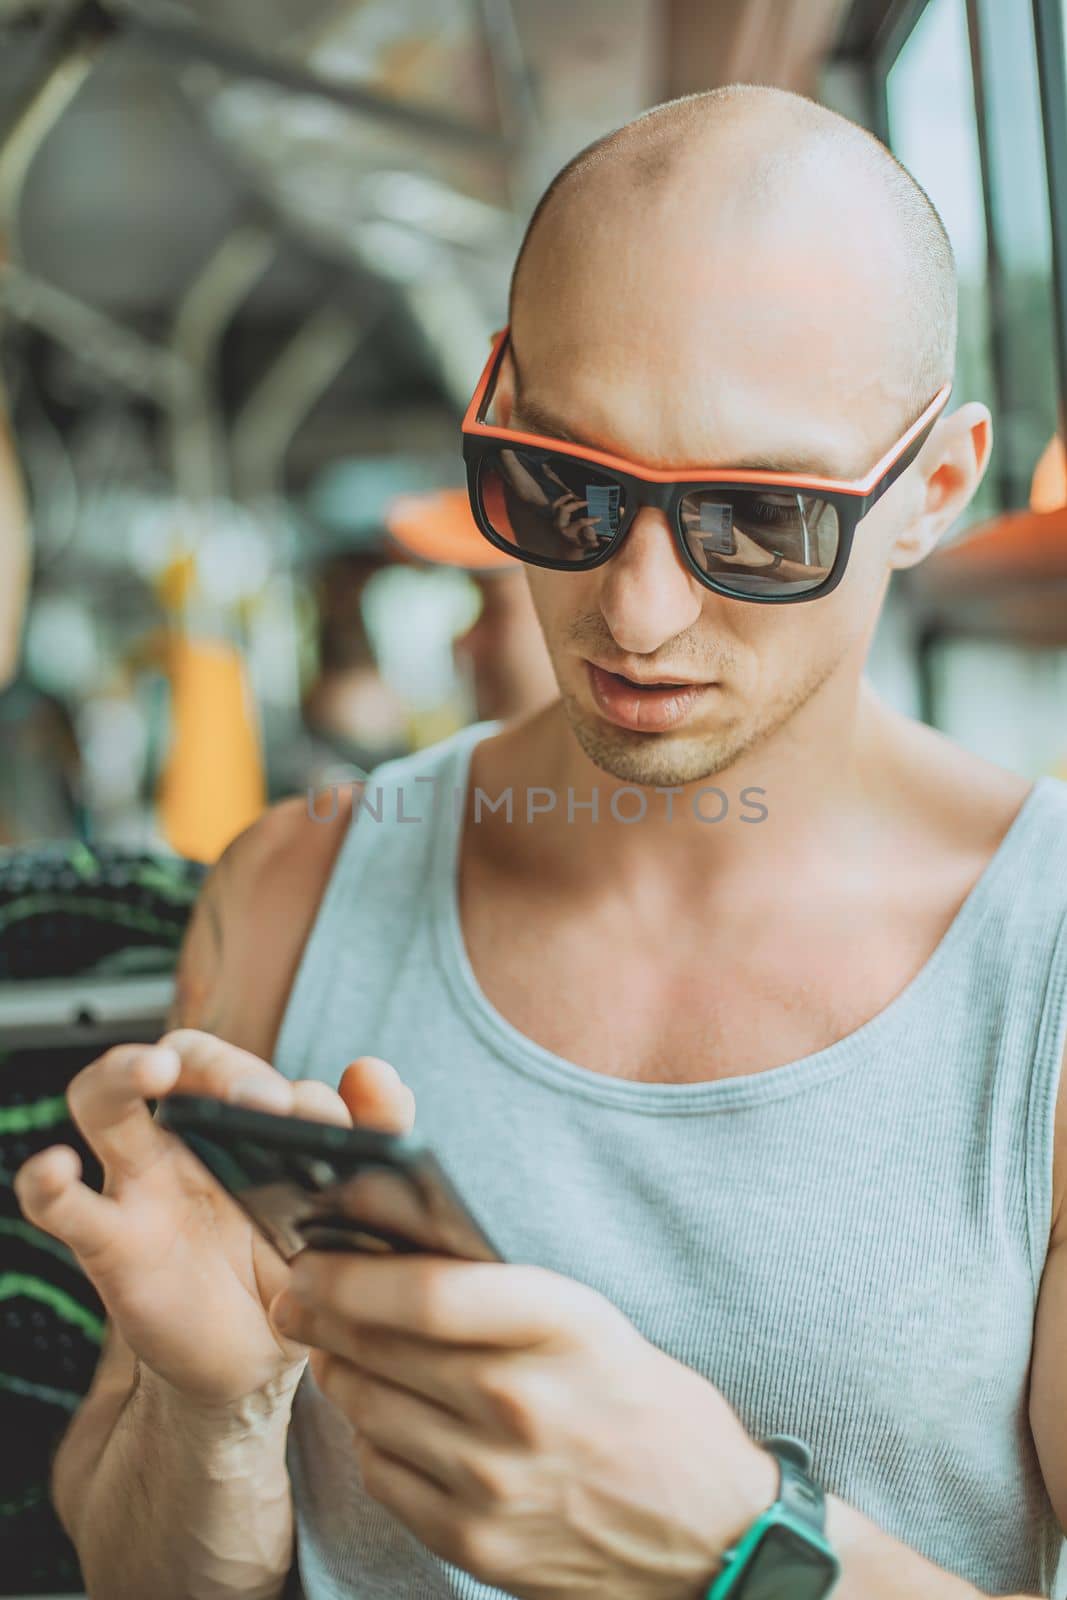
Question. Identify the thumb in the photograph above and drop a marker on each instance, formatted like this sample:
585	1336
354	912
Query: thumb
292	1349
376	1096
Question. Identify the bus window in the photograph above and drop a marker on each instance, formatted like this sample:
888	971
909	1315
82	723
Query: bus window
1018	197
932	130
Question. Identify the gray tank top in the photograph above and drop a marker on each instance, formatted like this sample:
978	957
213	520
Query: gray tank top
849	1246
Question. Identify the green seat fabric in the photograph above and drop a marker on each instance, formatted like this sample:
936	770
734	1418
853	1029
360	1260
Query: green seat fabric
65	911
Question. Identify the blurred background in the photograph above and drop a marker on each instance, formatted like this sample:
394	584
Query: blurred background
251	255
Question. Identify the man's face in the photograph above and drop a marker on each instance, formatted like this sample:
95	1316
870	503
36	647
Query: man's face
735	341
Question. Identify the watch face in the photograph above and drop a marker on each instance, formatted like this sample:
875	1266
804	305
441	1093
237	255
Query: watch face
786	1567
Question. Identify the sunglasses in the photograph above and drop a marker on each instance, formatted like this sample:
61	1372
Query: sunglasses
765	536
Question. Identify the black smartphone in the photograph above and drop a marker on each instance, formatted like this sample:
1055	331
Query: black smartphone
312	1185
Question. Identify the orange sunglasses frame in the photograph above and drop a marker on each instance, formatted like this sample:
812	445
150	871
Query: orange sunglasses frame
855	496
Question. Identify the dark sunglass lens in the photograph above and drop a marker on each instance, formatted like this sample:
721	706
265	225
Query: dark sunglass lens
761	542
551	507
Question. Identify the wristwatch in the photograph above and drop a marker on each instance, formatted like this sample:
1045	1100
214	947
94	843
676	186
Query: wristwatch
784	1555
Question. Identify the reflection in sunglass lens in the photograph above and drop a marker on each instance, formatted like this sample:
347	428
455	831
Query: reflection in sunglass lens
761	541
550	506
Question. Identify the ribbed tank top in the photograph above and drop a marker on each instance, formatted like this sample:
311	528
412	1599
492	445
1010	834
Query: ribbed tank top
849	1246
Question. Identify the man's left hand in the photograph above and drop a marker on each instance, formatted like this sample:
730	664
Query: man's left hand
520	1426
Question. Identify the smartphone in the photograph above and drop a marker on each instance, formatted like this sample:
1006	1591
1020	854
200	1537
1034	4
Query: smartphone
313	1185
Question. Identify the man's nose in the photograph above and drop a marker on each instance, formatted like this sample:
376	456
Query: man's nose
647	593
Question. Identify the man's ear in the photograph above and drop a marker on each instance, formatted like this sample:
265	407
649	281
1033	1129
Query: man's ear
950	466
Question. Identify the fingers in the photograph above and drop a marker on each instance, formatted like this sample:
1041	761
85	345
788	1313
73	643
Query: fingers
428	1297
371	1092
442	1373
414	1499
107	1098
410	1428
51	1195
211	1066
376	1096
318	1102
107	1103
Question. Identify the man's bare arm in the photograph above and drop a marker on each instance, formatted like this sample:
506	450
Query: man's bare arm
251	923
214	1510
166	1499
199	991
878	1567
112	1385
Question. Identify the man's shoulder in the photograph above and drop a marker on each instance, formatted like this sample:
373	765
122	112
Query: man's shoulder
285	858
253	919
282	862
260	902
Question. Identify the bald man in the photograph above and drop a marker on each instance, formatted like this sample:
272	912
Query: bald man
733	1001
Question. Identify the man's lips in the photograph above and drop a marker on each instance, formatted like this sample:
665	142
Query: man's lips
649	707
651	680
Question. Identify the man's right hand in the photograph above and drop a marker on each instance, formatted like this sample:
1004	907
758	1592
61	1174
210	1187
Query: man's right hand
185	1277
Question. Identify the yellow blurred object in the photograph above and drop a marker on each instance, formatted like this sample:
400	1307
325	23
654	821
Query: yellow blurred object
1048	487
175	584
426	727
213	783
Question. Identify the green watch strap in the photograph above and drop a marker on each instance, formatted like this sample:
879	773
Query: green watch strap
797	1515
798	1493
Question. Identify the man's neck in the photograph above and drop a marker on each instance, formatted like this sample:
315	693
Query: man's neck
811	793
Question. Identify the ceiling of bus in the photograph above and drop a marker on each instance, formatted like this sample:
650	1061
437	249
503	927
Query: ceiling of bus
220	178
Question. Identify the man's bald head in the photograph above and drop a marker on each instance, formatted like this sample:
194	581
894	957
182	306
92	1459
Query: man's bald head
755	195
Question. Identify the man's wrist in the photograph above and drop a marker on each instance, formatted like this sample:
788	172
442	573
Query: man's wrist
218	1428
744	1495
